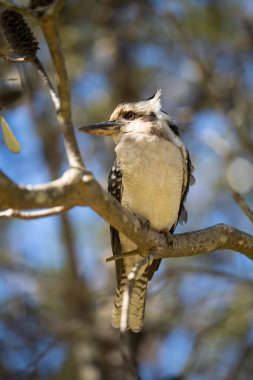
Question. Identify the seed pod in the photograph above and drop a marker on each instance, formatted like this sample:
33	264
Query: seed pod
9	138
18	34
40	3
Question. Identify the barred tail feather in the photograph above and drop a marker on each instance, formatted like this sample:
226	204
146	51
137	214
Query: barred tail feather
118	299
136	306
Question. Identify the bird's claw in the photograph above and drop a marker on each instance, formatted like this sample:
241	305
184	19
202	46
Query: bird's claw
168	236
145	223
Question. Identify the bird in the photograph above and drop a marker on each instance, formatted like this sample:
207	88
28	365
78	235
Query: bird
150	177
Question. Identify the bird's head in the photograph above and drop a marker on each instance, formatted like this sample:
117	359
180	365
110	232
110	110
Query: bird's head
130	117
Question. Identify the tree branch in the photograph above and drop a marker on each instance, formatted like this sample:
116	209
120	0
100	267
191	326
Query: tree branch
60	192
79	188
218	237
29	215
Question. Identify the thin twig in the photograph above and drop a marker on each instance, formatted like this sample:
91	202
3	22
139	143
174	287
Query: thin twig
14	60
49	26
131	278
243	205
121	256
29	215
48	83
34	364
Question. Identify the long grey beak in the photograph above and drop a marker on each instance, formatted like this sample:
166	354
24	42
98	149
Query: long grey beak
106	128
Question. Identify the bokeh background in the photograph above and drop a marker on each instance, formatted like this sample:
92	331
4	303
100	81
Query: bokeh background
56	291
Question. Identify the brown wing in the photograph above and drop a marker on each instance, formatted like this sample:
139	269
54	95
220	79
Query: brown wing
115	189
190	180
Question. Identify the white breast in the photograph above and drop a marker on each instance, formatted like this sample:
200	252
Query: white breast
152	170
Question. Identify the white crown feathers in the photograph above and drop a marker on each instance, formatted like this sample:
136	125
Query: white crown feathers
152	104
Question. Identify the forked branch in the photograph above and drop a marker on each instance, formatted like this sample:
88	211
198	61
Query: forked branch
77	188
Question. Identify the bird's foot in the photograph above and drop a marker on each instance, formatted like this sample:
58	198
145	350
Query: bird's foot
168	236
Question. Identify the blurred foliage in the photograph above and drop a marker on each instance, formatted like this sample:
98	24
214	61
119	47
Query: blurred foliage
56	291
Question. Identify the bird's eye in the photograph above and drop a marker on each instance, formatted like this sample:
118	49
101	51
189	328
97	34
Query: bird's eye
129	115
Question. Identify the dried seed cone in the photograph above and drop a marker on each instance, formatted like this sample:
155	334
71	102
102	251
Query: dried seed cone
18	34
40	3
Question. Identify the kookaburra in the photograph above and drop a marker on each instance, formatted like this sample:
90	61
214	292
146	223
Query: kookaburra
150	177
